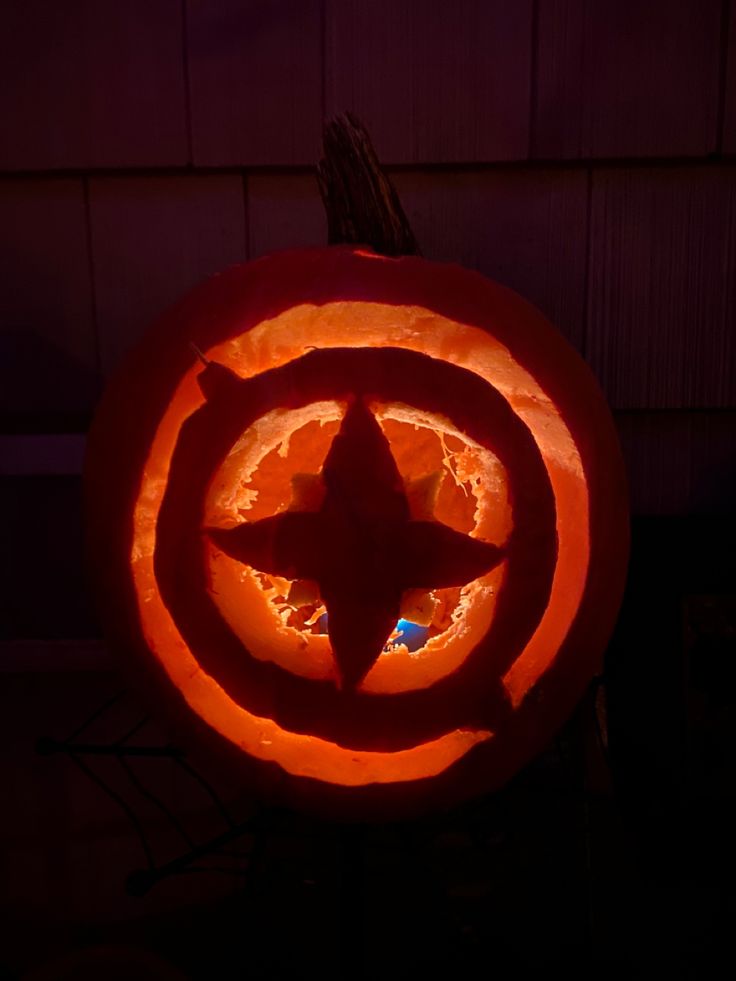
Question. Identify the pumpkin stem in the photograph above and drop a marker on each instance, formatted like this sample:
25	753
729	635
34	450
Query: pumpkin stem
361	203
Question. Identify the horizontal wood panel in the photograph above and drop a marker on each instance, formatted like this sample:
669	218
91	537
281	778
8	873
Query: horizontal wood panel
657	452
153	239
255	73
48	357
626	78
713	462
91	83
44	591
35	454
525	229
284	212
662	286
679	462
433	81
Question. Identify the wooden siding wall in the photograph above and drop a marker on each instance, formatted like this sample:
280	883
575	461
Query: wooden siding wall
578	151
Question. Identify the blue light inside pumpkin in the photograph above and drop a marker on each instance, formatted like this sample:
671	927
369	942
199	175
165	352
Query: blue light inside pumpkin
412	635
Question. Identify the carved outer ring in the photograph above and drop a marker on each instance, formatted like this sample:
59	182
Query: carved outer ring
472	695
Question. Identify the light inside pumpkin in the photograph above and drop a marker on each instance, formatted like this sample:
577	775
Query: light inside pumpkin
275	465
362	324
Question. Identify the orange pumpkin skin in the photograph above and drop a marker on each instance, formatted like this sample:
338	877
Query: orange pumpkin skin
313	327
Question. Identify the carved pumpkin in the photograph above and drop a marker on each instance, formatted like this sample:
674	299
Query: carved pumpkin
376	542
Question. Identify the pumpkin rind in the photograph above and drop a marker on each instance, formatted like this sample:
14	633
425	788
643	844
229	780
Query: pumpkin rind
270	313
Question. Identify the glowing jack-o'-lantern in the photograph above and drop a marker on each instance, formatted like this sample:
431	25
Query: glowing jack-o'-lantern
374	537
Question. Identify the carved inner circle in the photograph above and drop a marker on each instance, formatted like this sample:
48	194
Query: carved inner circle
275	467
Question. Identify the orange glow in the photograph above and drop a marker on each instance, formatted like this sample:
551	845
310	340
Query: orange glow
273	343
287	442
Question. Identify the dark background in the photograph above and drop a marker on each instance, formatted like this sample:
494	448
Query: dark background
580	152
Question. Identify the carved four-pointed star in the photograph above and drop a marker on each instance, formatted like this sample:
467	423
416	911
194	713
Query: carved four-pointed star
362	546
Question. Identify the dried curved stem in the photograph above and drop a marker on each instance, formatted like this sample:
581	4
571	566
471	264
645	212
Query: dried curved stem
361	203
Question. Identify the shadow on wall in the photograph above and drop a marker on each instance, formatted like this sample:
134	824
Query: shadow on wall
36	375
